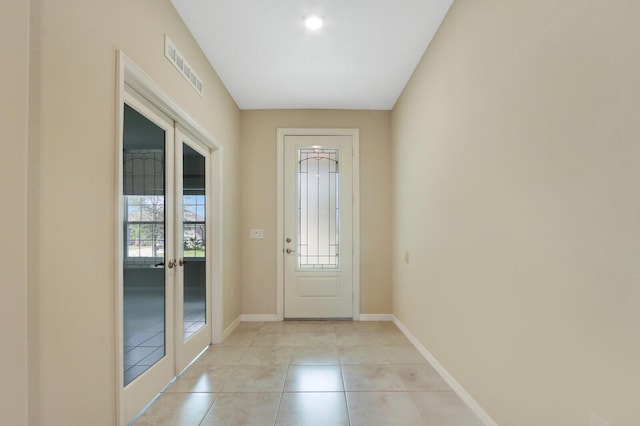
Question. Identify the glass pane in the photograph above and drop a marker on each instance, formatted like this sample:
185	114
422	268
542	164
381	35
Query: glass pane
194	241
143	227
318	209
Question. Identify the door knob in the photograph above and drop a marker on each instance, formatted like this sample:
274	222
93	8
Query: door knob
289	250
171	263
181	262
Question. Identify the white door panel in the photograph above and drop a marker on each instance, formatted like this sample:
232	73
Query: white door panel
318	210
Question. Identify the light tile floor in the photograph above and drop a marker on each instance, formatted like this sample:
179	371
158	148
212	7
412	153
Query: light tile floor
310	373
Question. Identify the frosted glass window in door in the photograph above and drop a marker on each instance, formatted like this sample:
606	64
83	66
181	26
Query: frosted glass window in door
318	209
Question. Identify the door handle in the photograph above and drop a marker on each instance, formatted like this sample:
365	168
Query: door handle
289	250
171	263
181	262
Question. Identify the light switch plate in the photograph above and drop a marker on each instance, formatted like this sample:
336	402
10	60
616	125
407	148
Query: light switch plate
256	234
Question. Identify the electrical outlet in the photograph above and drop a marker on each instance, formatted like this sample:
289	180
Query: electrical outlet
596	420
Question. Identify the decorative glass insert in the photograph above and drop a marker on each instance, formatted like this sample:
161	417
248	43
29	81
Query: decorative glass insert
318	208
144	201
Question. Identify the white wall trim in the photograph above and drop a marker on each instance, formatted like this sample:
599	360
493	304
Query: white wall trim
119	251
451	381
280	226
356	222
259	318
232	327
377	317
218	238
355	134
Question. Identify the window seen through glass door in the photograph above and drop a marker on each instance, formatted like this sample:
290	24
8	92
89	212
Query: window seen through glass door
194	214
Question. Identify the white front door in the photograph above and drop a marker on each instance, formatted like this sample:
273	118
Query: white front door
318	226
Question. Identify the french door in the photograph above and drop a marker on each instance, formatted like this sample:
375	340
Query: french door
165	262
194	262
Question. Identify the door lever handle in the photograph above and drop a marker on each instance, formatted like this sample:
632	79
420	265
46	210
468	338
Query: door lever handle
171	263
289	250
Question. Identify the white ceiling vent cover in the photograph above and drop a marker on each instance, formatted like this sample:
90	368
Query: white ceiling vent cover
176	58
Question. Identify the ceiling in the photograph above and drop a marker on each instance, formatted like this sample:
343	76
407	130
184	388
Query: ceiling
361	58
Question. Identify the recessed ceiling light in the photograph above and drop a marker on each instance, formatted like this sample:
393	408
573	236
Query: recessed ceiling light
313	22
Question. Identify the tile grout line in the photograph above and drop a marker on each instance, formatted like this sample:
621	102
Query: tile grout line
210	408
344	386
284	383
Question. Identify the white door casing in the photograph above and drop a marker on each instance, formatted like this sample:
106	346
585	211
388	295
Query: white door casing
318	257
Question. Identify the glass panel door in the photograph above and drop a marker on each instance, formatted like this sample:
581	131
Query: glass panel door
194	295
147	235
144	251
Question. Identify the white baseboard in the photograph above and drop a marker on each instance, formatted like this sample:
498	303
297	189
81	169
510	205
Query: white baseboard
227	332
453	383
376	317
259	318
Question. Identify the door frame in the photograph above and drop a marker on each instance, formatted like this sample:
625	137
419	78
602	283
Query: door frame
130	76
355	137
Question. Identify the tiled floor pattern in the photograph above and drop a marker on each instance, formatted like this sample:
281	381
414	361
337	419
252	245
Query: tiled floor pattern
194	316
310	373
144	328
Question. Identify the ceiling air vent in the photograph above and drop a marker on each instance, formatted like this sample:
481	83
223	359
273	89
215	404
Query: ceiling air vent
176	58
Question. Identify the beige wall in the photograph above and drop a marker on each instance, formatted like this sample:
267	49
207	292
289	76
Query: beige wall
516	153
14	39
258	202
72	189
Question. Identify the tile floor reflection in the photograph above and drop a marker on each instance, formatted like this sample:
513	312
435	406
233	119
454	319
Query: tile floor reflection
143	329
144	325
310	373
